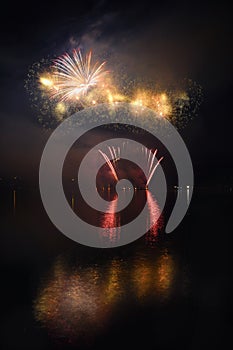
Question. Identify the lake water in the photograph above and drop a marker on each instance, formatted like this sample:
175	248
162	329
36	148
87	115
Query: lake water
159	292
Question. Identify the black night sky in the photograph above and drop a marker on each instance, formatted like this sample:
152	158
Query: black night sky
164	41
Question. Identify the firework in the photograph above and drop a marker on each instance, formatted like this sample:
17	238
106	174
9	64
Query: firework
108	161
74	82
154	166
74	76
159	102
149	158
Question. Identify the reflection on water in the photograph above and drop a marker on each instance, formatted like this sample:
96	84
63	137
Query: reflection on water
154	214
83	295
112	221
73	201
14	201
79	300
188	195
183	191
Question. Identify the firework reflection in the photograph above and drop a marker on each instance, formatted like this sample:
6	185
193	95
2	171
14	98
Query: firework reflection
111	220
154	214
78	301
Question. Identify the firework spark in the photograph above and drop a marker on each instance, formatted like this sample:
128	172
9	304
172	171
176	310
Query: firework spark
108	161
150	159
74	76
153	170
77	82
151	163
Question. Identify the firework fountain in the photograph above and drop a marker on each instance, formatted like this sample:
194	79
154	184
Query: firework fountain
148	157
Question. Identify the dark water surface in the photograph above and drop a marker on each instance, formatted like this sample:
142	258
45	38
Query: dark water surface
160	292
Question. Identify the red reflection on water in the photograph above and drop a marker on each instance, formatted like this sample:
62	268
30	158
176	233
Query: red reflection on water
111	222
154	219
